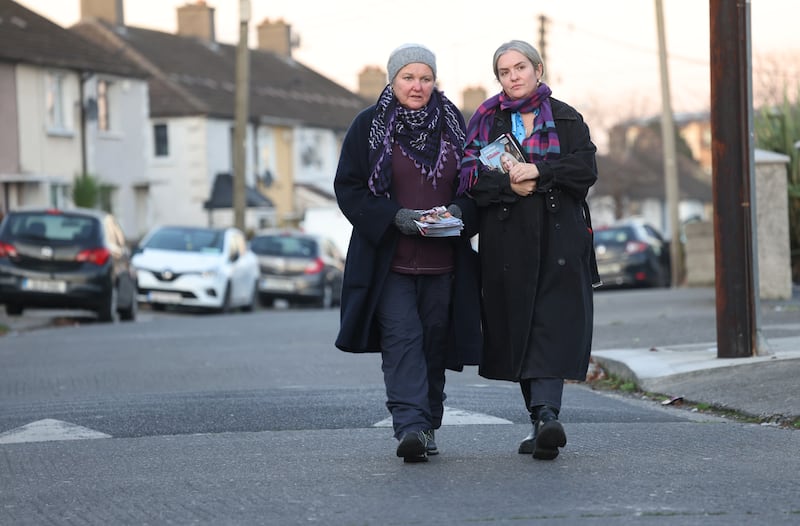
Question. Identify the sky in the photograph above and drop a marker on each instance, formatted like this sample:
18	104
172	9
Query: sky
600	56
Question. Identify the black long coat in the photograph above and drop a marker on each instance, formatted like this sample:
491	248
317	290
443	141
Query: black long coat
537	261
369	256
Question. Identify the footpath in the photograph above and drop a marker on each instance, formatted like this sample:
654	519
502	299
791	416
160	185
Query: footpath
765	387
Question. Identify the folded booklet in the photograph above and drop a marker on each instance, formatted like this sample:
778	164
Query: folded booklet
438	222
501	154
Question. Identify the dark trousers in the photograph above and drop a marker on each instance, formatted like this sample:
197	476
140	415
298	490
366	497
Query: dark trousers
542	391
413	313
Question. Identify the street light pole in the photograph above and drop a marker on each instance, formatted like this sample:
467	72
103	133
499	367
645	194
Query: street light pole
240	126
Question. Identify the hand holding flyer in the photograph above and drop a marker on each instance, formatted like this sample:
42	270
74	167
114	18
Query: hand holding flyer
501	154
438	222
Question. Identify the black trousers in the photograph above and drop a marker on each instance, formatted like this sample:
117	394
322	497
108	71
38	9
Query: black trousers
542	391
413	314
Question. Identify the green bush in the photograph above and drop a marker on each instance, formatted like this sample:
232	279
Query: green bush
85	191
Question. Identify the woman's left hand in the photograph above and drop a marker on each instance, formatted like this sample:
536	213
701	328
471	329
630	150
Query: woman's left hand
523	172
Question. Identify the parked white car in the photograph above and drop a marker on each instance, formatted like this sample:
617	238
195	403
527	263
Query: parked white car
210	268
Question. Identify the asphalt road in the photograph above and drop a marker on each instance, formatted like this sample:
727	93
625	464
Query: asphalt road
257	419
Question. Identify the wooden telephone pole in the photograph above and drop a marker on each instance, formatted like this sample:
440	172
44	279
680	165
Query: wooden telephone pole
671	192
240	127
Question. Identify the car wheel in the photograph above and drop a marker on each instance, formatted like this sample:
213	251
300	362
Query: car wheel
14	309
266	301
326	300
226	300
250	306
107	312
129	314
158	307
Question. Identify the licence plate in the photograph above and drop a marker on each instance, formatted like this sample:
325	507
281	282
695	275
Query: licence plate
277	284
44	285
612	268
164	297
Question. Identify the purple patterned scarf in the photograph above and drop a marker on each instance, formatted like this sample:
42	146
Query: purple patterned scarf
426	136
542	144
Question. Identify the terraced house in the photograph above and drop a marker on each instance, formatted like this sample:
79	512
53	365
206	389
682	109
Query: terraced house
185	119
297	117
68	108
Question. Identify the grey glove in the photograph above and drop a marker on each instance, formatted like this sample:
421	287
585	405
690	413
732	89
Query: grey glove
404	221
454	210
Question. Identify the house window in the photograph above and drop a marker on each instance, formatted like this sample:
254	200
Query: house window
54	101
161	140
103	105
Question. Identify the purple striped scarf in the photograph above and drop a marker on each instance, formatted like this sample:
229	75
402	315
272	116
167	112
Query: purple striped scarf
542	144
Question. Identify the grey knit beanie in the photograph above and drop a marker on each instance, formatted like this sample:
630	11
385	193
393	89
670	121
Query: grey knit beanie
409	54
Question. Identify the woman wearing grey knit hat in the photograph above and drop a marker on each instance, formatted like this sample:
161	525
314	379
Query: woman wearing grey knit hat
411	297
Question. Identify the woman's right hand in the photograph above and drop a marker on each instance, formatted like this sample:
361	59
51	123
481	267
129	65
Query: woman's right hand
524	188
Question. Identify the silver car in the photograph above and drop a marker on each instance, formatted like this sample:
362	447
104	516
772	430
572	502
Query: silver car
298	267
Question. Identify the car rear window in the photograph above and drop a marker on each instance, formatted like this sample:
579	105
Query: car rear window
187	240
284	246
613	235
61	227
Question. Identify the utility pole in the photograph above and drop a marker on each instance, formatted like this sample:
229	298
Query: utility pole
735	247
240	127
542	41
670	164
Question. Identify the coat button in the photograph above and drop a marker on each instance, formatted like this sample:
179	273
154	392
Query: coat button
562	261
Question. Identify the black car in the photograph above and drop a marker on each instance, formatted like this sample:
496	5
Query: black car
66	259
298	267
632	254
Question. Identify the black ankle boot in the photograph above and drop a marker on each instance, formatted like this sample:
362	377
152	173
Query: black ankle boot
548	433
526	446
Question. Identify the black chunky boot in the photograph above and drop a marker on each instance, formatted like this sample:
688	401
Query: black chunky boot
548	433
526	446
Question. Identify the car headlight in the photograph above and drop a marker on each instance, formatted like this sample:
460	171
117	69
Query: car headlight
212	273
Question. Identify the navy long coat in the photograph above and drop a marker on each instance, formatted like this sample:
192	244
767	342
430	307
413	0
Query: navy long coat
537	261
369	256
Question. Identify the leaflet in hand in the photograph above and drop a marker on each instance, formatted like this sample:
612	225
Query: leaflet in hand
501	154
438	222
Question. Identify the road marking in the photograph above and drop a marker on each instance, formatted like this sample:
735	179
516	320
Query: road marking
48	430
457	417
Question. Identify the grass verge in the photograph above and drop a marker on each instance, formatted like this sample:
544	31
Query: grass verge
609	382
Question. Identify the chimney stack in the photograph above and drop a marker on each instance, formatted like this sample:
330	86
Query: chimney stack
196	20
108	10
473	97
371	82
276	37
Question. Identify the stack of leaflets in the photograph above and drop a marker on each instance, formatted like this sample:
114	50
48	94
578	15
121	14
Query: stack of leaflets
438	222
505	146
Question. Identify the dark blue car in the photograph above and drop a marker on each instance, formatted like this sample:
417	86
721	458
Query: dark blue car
632	254
66	259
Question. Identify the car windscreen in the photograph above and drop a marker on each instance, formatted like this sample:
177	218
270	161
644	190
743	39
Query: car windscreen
187	240
53	227
300	247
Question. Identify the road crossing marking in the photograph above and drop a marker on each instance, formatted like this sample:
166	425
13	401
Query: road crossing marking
457	417
48	430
